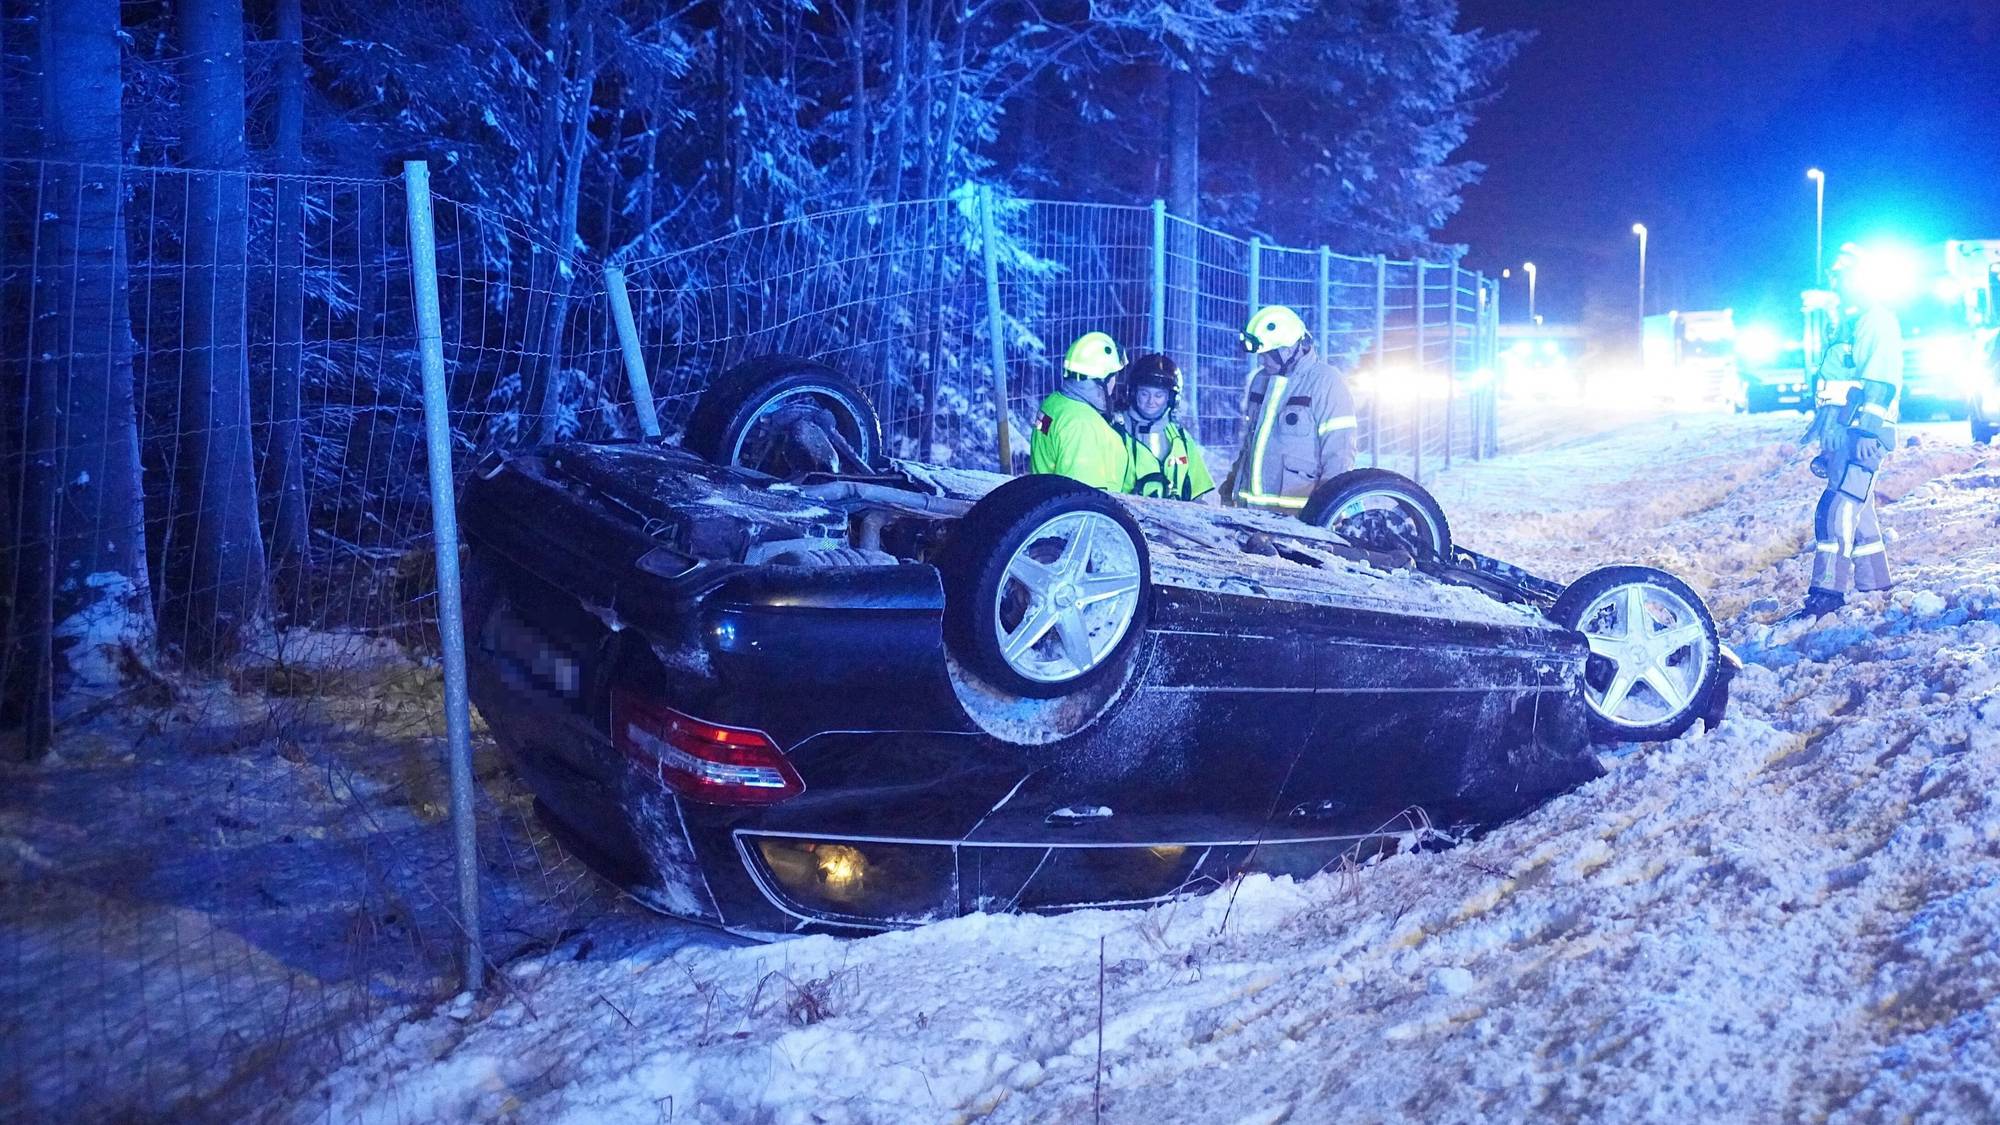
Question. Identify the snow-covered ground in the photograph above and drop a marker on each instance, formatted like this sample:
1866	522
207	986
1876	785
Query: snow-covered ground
1790	917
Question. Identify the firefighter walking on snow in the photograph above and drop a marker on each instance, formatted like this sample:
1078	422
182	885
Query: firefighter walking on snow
1864	366
1298	417
1162	458
1074	435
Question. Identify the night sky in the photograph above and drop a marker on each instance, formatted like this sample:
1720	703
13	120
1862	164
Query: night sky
1700	118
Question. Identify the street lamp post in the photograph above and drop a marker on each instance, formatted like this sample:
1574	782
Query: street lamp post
1529	269
1641	231
1819	222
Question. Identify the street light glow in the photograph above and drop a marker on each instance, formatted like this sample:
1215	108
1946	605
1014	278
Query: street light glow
1815	174
1639	229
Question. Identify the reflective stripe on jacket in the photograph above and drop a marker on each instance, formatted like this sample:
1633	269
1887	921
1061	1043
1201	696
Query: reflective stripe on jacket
1165	462
1298	430
1073	439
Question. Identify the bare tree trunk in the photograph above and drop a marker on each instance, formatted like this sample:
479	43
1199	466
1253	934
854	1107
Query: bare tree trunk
921	285
926	128
280	472
899	100
549	85
734	115
30	667
1184	142
221	590
857	130
569	202
82	428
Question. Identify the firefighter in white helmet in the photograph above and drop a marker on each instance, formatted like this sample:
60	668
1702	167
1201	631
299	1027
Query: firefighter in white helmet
1074	435
1298	417
1866	358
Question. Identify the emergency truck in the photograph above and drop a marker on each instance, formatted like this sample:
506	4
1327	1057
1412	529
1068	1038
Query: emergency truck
1691	356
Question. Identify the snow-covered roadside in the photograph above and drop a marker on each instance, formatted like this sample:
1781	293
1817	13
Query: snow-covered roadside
210	884
1789	917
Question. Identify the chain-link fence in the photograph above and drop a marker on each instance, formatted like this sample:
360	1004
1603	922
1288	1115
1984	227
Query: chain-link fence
219	592
907	298
219	599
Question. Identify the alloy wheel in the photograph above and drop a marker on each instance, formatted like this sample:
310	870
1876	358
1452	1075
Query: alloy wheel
1650	654
1067	597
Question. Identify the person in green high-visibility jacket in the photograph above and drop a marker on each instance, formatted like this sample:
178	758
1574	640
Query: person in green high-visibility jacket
1298	417
1163	459
1074	437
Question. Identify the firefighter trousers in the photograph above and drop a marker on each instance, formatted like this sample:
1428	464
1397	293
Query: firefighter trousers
1848	551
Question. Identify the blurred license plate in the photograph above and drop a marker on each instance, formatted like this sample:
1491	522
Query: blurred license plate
527	655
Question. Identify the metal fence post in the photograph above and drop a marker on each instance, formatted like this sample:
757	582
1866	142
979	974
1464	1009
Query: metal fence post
1492	420
1423	376
1381	360
1324	328
1451	370
1256	295
628	342
444	540
1005	438
1256	276
1159	275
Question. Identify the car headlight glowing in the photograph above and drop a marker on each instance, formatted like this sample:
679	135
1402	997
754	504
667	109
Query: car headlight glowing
840	865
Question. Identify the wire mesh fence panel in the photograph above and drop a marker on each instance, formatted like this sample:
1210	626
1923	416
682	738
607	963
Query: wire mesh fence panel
887	294
218	588
1209	315
893	296
1066	269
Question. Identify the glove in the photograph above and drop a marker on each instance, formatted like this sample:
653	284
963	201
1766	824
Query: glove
1867	451
1818	466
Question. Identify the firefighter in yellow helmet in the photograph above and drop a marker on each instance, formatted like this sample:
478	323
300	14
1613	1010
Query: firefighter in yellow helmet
1298	417
1074	435
1162	458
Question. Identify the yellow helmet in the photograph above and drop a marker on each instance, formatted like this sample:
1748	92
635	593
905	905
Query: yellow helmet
1274	326
1095	355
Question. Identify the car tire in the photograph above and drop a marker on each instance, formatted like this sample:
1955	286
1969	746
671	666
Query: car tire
726	415
1014	537
1421	529
1667	683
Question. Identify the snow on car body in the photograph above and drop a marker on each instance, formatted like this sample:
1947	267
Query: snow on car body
876	697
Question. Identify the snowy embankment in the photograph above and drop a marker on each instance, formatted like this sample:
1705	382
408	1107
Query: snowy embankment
1792	916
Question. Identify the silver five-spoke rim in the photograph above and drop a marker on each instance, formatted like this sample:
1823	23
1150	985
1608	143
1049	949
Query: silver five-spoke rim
1067	597
1658	649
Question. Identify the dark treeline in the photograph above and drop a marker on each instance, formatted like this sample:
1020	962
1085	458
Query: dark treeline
183	511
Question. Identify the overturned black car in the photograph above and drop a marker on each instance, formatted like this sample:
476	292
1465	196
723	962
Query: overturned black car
771	680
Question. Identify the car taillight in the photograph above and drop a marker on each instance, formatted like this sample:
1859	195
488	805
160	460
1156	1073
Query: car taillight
700	760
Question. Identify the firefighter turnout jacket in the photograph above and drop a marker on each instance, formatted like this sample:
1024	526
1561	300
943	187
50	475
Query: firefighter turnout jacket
1298	430
1074	439
1865	363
